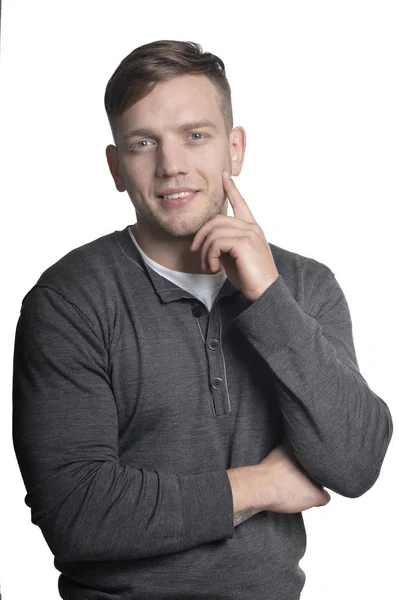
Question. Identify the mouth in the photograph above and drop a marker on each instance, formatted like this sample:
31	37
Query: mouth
178	199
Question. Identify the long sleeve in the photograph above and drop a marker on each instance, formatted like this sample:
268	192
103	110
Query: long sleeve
65	431
338	428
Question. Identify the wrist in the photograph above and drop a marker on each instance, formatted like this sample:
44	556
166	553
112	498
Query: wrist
245	486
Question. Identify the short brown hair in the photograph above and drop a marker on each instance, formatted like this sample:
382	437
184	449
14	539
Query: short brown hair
142	69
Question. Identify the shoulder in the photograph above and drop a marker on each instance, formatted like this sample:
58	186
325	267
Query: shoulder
310	281
292	265
82	273
81	264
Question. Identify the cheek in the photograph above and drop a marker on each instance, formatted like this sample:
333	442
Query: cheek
211	156
136	174
219	162
215	175
212	164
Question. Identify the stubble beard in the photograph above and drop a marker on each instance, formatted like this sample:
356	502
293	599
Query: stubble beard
183	227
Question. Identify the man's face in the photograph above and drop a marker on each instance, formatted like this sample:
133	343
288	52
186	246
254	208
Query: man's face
175	137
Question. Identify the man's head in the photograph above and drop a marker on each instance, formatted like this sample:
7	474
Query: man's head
169	108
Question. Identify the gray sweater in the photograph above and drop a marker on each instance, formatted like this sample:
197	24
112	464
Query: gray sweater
131	400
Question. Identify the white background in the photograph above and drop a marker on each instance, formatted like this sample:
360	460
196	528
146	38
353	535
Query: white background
315	85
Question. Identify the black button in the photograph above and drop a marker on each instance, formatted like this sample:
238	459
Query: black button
198	311
213	344
216	383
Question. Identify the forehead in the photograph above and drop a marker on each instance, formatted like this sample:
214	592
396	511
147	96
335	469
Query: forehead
184	98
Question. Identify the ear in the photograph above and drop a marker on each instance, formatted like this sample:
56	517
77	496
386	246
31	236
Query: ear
237	149
111	152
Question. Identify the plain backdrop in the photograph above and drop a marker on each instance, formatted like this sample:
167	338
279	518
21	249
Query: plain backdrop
315	85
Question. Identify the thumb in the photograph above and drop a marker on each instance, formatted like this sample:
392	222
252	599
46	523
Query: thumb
327	498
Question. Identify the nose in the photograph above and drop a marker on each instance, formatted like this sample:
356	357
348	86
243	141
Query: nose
171	159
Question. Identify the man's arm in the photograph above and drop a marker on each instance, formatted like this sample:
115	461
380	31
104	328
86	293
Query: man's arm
65	430
338	428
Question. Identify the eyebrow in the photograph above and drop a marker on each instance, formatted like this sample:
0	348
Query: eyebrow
147	131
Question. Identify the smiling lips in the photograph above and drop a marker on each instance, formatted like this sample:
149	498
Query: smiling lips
174	193
177	197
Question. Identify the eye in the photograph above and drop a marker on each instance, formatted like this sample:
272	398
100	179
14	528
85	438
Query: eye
197	138
139	145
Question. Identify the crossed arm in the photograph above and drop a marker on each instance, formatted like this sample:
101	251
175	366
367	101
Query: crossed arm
66	431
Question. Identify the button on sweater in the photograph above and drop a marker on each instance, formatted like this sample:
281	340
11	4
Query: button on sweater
132	399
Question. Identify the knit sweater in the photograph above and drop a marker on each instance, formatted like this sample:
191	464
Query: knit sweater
132	399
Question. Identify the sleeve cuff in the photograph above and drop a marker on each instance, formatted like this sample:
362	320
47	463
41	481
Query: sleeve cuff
275	321
207	502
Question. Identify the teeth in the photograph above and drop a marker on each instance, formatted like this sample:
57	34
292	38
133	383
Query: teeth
181	195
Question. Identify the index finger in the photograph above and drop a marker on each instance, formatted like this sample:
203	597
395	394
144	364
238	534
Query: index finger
240	207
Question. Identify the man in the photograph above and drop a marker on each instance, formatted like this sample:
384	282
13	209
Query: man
182	388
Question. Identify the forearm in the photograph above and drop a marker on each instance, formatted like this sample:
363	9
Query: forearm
107	512
246	492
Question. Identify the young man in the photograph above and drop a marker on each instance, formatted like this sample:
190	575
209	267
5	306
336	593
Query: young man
182	388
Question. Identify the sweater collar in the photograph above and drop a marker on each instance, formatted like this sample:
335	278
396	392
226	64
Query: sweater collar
166	289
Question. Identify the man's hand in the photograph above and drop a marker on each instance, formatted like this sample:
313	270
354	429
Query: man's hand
278	483
288	487
239	244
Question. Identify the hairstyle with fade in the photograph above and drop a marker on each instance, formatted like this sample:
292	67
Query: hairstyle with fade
142	69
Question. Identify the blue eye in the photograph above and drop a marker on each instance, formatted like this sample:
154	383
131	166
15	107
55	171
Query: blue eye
141	145
198	134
